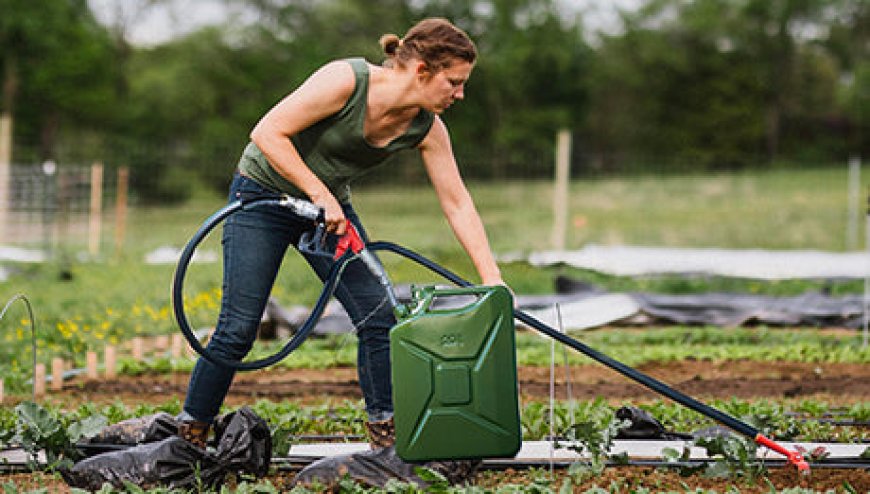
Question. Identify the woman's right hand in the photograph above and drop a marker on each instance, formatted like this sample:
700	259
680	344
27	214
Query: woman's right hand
333	213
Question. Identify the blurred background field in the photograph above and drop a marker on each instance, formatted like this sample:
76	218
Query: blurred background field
778	209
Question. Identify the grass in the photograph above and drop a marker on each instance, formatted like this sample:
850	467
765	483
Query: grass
776	209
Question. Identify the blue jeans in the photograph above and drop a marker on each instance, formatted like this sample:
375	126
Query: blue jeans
254	243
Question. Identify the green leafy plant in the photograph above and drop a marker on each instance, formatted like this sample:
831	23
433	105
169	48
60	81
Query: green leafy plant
37	430
735	457
595	438
681	460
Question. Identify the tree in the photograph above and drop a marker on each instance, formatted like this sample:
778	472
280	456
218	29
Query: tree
848	41
528	84
773	34
57	65
714	82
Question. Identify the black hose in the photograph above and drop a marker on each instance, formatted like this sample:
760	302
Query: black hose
178	293
329	287
649	382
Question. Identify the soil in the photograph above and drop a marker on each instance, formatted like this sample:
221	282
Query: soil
625	479
837	384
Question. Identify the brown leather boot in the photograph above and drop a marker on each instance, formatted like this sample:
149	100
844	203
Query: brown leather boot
194	432
382	434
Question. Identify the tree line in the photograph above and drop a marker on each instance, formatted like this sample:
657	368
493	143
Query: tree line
682	84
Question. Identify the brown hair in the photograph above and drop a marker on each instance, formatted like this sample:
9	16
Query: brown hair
434	41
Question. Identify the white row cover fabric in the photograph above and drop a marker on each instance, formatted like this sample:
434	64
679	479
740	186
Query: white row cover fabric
755	264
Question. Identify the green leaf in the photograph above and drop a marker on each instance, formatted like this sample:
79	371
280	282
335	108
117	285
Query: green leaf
87	427
567	486
132	488
430	476
37	420
621	458
671	455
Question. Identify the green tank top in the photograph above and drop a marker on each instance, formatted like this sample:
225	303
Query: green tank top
335	148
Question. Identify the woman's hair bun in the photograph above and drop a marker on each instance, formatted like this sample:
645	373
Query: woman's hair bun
390	43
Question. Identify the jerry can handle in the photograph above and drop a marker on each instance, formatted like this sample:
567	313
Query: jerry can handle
429	295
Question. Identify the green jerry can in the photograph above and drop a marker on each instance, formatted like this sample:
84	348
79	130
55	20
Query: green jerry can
454	375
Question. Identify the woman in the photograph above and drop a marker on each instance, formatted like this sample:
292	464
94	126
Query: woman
346	118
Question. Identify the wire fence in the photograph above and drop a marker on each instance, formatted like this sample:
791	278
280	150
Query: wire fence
50	206
47	206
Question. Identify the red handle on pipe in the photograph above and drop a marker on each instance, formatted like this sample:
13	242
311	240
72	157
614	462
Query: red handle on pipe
350	240
794	457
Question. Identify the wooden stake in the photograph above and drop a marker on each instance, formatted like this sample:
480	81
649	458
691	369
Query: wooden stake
161	342
1	392
177	346
56	374
39	380
91	359
111	358
96	210
138	348
121	209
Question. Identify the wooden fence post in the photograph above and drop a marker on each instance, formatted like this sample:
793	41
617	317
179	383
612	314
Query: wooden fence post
560	194
121	209
96	210
5	167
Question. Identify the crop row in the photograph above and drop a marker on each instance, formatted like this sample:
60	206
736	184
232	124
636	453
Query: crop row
797	421
73	339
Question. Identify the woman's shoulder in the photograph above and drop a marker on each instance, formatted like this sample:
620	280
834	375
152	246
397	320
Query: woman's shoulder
341	70
337	78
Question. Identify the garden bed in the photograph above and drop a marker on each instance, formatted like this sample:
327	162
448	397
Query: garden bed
834	384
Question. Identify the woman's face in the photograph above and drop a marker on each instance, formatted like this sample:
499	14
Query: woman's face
445	86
